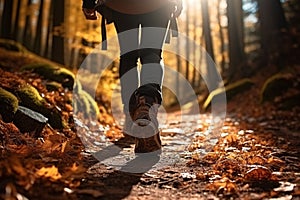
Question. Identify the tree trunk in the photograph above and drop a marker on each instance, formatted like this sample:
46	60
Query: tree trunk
187	46
6	23
39	30
194	51
222	40
14	16
57	53
27	41
20	20
49	39
272	22
207	29
235	37
211	79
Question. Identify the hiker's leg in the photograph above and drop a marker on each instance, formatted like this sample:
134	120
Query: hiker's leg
154	29
147	98
127	29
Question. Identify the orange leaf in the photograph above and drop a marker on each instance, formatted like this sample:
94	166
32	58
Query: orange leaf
49	172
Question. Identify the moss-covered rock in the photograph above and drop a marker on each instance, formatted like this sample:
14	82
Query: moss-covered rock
230	91
8	105
93	106
77	86
12	45
55	119
53	72
85	104
53	86
275	86
30	98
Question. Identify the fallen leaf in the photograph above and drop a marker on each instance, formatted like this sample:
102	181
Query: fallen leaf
63	146
258	173
49	172
225	186
228	165
256	160
231	138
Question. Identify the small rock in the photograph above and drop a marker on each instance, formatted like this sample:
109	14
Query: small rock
29	121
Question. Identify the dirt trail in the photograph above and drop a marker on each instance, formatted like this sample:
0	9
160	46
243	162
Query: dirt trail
210	170
117	174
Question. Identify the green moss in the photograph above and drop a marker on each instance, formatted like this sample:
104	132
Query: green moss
93	106
86	105
8	104
77	86
230	91
84	102
66	77
238	87
30	98
53	72
53	86
12	45
40	68
275	86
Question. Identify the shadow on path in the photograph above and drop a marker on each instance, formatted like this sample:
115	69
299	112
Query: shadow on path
111	183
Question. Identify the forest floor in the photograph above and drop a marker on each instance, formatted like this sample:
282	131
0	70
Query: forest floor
255	156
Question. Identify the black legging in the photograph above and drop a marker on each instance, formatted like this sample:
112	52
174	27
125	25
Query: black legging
141	37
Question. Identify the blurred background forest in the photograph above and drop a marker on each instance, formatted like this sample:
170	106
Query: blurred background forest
241	36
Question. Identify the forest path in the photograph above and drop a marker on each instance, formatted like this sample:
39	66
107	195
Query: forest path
177	132
240	163
122	175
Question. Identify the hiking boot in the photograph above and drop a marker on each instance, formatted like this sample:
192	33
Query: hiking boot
145	124
146	145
